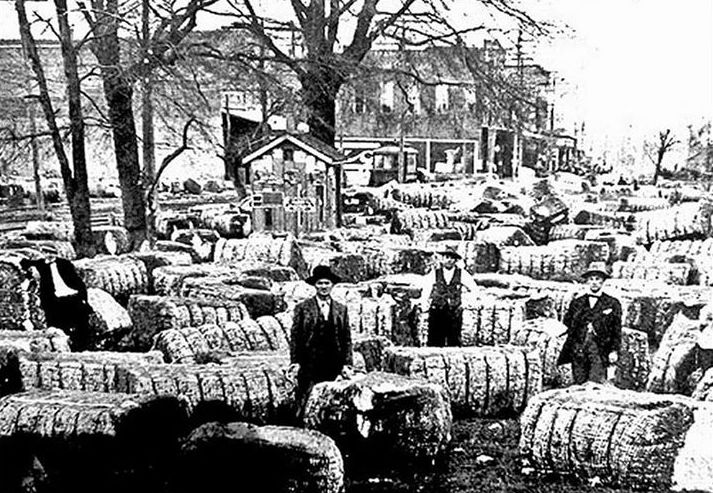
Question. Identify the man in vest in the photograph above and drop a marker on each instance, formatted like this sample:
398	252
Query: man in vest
320	342
441	296
593	323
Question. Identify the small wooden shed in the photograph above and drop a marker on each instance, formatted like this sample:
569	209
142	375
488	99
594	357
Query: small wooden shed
295	183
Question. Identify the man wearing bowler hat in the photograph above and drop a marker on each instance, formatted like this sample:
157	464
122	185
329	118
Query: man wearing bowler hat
593	323
441	296
321	342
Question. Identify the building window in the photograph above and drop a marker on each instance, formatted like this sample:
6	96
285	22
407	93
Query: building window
470	98
442	98
268	218
386	98
414	99
288	154
359	101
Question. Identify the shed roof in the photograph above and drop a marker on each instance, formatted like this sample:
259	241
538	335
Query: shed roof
307	143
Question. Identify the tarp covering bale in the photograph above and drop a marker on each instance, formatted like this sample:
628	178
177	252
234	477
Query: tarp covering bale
676	358
119	276
483	381
670	273
300	460
90	440
153	314
547	336
108	321
392	415
622	437
564	260
259	302
91	371
19	300
36	341
260	395
154	259
281	250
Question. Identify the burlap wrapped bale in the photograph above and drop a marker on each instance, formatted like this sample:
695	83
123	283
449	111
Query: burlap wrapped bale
671	273
483	381
406	221
19	300
120	276
153	314
49	230
154	259
91	371
676	358
300	460
259	302
259	395
282	250
109	321
564	260
621	437
371	348
36	341
111	240
487	320
381	413
547	336
89	440
60	248
633	360
372	316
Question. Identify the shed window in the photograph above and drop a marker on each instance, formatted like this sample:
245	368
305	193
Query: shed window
288	154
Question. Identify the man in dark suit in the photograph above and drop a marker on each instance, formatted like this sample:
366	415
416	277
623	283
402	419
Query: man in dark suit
321	342
63	297
593	323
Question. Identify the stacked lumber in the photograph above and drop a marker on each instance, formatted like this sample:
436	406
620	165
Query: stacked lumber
108	320
35	341
399	417
168	280
564	260
49	230
483	381
19	298
111	240
547	336
191	344
487	320
154	314
621	437
260	394
633	360
300	460
280	250
258	301
119	276
91	371
670	273
676	358
154	259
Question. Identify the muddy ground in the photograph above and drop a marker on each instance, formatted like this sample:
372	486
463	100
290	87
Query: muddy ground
482	458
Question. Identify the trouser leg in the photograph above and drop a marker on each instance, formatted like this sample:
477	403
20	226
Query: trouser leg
455	327
436	328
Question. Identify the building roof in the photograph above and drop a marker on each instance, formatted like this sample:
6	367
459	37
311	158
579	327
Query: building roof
257	147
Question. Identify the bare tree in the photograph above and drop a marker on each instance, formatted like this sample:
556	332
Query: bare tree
74	177
657	149
327	62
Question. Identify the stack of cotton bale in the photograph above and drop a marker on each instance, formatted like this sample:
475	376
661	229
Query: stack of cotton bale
396	417
35	341
19	297
482	381
563	260
153	314
300	460
621	438
281	250
120	276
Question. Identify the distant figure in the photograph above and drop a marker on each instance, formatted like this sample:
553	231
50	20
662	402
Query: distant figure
321	342
441	296
63	297
593	323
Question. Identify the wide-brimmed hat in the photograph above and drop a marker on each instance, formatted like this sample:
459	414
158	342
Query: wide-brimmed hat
450	251
597	269
322	272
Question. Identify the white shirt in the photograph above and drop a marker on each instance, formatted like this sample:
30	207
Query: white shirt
429	280
324	306
593	298
60	287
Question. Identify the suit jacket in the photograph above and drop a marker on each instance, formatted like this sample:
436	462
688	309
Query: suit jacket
69	275
302	344
605	318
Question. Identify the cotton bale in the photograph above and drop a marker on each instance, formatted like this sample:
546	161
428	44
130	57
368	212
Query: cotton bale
120	276
109	321
547	336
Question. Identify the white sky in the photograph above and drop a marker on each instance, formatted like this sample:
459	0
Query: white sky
633	66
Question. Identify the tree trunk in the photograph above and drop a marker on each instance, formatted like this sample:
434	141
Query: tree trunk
657	170
319	89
